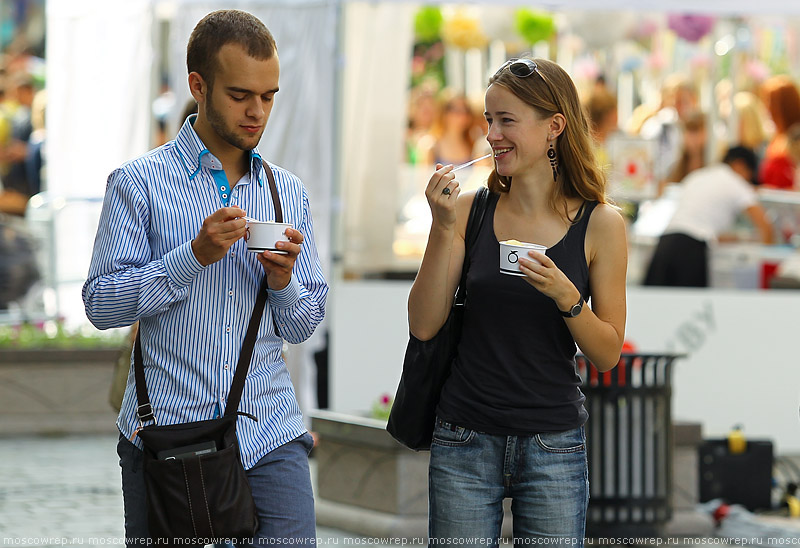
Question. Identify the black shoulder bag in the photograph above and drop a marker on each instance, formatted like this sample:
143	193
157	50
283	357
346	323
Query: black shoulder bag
195	484
427	363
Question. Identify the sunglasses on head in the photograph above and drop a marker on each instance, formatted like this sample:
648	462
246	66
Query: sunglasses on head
521	68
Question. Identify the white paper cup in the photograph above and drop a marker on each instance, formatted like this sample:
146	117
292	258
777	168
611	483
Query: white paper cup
511	252
263	235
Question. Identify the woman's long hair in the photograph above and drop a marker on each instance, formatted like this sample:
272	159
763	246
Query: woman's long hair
550	91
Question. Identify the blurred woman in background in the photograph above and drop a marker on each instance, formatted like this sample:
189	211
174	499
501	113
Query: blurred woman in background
782	99
454	132
601	110
693	150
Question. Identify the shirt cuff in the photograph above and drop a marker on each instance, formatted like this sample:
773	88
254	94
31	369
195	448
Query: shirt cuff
181	265
286	297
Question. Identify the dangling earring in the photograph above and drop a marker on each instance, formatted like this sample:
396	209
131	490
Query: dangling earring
551	154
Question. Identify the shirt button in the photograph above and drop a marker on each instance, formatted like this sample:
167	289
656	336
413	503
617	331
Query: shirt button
230	293
227	329
227	366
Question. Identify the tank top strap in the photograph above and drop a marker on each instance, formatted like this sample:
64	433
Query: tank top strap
582	222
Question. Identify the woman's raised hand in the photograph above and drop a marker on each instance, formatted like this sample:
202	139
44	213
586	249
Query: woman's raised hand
442	192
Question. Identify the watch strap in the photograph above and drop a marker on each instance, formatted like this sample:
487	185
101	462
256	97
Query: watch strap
571	312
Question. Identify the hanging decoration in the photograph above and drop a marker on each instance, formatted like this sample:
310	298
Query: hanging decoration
463	30
645	27
428	24
534	26
690	27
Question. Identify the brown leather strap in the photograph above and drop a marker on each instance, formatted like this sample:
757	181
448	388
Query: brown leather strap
273	189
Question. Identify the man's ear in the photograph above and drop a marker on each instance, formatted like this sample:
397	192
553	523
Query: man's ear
558	123
197	87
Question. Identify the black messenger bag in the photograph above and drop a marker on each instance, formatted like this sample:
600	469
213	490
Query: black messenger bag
196	487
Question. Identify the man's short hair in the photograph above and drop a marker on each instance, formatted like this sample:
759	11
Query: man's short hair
745	155
223	27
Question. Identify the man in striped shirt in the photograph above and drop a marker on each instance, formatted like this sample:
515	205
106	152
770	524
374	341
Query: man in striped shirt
170	253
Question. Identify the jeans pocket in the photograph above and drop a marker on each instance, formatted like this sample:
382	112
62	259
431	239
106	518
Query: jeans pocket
569	441
451	435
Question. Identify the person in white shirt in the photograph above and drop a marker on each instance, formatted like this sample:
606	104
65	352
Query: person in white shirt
711	199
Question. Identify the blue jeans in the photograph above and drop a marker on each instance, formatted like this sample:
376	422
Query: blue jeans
280	482
545	475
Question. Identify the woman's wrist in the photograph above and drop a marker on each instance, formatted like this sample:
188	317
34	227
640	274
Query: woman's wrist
567	302
442	229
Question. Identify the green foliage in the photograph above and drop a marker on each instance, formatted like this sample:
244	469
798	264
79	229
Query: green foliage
54	335
428	24
534	26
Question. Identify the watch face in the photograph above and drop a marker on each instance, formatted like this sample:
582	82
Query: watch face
575	310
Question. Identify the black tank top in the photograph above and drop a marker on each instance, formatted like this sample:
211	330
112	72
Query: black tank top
515	371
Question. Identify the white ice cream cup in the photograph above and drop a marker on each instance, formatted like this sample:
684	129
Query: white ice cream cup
263	235
511	251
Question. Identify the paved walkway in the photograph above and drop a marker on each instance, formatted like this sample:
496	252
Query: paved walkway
66	491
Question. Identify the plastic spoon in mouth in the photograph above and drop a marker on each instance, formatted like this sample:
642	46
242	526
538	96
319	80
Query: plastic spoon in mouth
467	164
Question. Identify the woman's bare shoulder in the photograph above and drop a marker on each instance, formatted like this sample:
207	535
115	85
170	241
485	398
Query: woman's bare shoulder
606	217
606	232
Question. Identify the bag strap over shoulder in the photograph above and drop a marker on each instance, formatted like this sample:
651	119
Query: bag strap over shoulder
273	189
145	408
474	222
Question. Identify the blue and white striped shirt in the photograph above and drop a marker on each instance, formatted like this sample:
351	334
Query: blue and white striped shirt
193	318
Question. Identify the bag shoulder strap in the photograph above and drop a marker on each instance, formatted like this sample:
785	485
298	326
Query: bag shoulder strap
474	222
145	408
273	189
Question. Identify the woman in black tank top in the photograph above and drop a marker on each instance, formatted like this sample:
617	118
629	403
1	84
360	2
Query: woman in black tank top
510	417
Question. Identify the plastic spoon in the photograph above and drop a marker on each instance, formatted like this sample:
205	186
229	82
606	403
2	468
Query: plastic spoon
467	164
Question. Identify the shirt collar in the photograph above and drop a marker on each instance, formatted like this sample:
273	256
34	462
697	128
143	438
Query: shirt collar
195	155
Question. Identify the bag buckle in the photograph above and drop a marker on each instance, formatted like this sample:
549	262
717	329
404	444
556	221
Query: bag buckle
145	413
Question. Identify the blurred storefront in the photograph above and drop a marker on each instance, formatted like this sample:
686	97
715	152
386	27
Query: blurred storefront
350	72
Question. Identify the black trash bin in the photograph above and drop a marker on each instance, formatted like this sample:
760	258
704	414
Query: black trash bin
629	446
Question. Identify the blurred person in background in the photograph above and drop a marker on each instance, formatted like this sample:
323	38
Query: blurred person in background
678	100
35	157
693	150
793	147
13	153
782	99
422	114
5	115
601	110
453	132
710	200
751	121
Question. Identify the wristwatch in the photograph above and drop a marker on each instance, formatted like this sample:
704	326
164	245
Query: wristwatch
574	310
